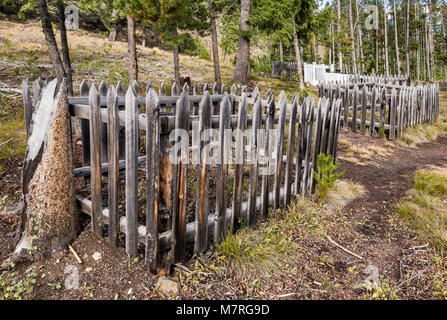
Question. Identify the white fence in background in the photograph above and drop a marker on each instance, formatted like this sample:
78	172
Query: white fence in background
315	73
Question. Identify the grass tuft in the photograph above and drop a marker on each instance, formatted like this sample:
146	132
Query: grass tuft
426	205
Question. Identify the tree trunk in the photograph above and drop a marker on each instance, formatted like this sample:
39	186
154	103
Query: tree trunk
407	35
132	49
361	66
243	53
427	52
281	52
396	38
64	47
112	35
418	53
50	38
299	62
430	37
340	54
143	42
175	56
50	217
351	29
215	45
385	31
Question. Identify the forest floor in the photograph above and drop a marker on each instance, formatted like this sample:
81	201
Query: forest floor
292	255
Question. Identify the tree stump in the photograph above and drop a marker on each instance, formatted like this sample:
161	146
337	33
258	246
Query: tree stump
49	219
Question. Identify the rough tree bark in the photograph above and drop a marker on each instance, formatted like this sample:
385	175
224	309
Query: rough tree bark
430	37
132	49
215	45
49	219
243	53
299	62
281	52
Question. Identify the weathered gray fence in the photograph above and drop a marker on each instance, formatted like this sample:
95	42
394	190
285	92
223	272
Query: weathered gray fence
380	108
173	204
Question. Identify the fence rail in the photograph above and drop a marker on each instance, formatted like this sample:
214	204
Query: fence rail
174	204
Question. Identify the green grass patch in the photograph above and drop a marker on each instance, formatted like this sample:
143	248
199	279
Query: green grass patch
426	205
12	129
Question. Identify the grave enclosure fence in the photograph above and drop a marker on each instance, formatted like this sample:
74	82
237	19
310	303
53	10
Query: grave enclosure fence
383	106
174	209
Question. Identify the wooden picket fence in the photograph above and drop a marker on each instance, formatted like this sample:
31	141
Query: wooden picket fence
190	205
382	106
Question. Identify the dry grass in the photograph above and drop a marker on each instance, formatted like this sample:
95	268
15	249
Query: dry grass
381	151
425	132
426	205
344	192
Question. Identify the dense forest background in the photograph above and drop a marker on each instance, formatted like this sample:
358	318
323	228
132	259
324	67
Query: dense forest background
405	37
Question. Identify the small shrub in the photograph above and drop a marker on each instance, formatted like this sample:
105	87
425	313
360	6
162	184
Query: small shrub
261	64
325	175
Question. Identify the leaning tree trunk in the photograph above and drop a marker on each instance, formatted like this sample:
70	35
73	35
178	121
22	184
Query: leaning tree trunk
50	38
64	47
243	53
215	45
132	49
49	219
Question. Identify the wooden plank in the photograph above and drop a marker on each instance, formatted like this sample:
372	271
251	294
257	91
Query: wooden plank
120	92
363	116
346	108
201	217
131	172
85	128
152	178
103	92
95	152
27	106
113	161
214	108
222	168
307	175
37	90
332	123
392	114
288	183
300	147
195	92
337	129
253	155
239	163
179	184
266	159
162	93
372	118
354	110
279	151
383	104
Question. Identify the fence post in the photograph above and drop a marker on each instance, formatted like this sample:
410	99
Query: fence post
279	151
265	183
152	178
201	217
113	160
132	133
290	152
85	128
95	152
222	168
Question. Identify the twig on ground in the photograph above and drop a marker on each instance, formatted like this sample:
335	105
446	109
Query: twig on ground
408	280
181	266
75	254
343	248
419	247
5	142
